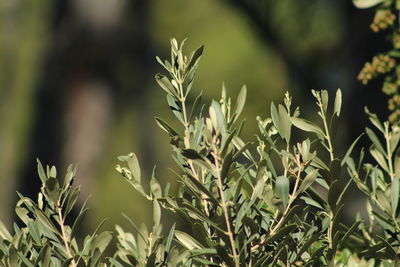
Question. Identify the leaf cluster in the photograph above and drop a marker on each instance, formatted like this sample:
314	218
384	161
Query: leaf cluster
275	201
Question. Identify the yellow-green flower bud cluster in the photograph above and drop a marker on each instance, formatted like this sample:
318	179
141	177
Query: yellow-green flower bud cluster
396	40
382	20
380	64
394	102
394	107
389	88
394	117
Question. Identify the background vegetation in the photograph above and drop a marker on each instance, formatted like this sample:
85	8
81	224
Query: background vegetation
77	79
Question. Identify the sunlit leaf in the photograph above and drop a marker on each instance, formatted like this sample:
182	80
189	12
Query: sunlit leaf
366	3
282	188
338	102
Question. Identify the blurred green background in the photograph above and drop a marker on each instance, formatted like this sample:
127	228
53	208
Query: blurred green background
76	81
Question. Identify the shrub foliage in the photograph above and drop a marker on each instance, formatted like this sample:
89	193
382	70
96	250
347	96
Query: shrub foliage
275	201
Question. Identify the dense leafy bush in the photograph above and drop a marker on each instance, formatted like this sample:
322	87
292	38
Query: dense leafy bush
276	201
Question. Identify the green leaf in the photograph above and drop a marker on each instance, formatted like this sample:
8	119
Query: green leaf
69	177
142	236
285	123
42	174
12	257
101	241
72	198
163	125
44	220
155	188
156	213
395	195
4	234
191	154
217	117
169	238
366	3
134	167
242	148
241	99
379	158
338	102
375	140
34	232
199	232
350	231
195	106
350	150
43	256
394	141
281	233
275	119
375	120
282	188
53	189
306	126
165	84
203	189
78	222
187	241
389	248
325	100
308	180
194	59
311	202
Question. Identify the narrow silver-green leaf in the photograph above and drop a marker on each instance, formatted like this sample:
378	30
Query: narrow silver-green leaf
374	119
163	125
78	222
4	234
156	213
308	180
285	123
170	237
155	188
282	188
241	99
311	202
42	174
134	167
306	126
350	150
366	3
72	198
379	158
44	220
275	119
375	140
325	100
186	240
165	84
194	59
101	241
338	102
394	140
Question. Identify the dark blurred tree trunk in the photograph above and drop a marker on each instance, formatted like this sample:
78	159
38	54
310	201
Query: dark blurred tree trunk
83	89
